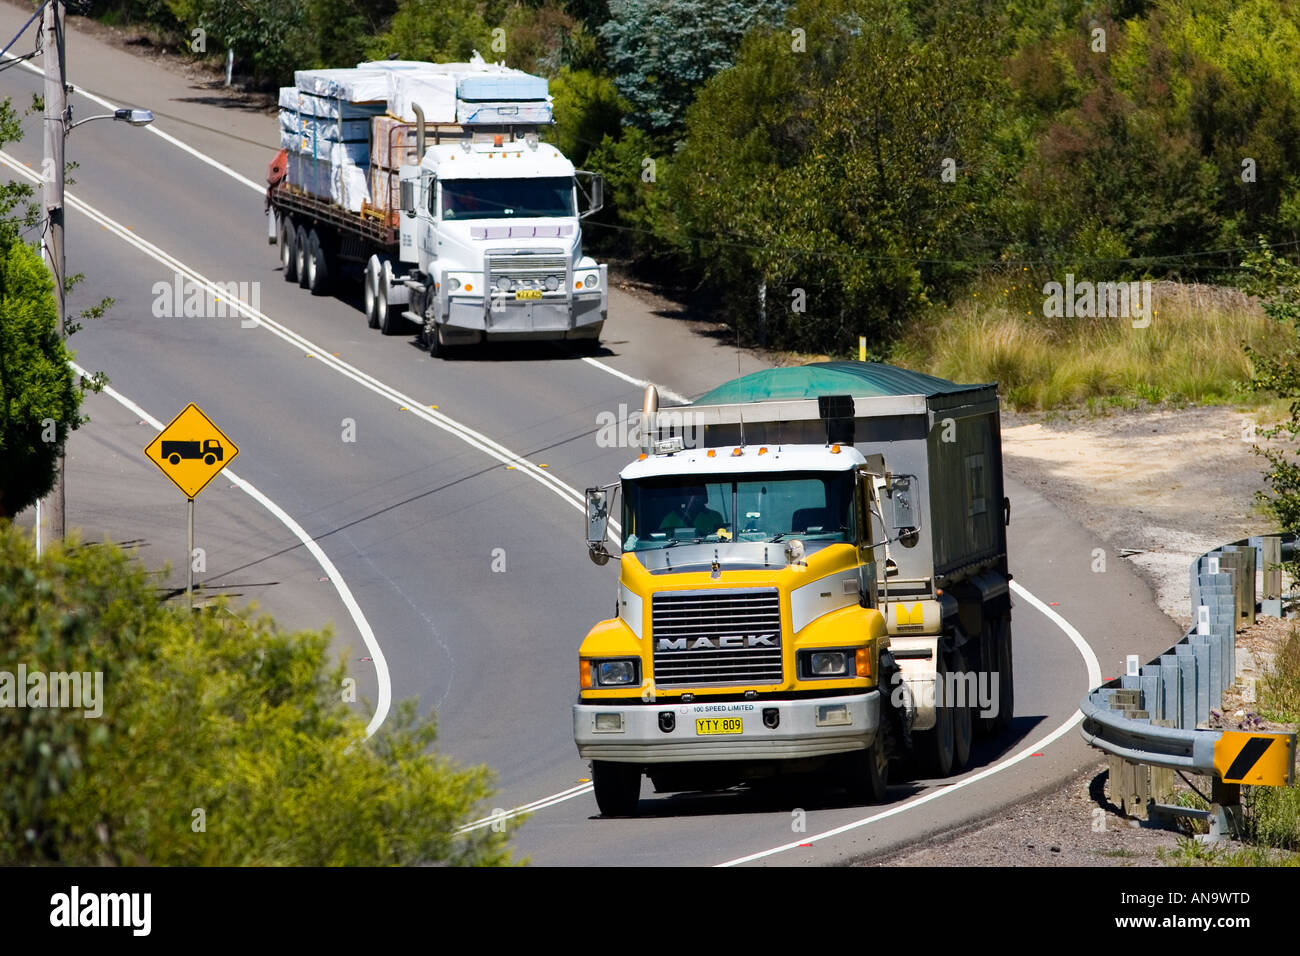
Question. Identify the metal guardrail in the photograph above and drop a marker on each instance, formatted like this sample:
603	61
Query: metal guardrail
1156	714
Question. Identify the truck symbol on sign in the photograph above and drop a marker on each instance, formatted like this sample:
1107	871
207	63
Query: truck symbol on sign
210	451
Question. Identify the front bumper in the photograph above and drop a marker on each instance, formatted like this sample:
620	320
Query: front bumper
528	318
797	734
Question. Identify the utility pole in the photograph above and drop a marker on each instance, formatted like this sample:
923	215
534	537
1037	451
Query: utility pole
56	115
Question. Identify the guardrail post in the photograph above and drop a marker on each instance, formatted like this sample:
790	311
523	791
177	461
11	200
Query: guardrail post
1201	652
1214	681
1225	812
1270	563
1152	700
1241	565
1187	672
1171	689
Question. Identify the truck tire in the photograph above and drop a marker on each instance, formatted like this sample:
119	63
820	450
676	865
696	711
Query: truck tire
300	251
372	292
963	726
934	748
866	772
389	319
318	265
288	249
617	786
1006	678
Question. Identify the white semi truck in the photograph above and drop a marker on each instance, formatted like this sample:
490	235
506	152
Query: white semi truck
472	230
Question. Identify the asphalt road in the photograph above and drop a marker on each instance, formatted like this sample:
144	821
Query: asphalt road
416	511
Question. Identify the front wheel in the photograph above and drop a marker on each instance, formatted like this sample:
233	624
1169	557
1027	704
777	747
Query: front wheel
866	772
617	786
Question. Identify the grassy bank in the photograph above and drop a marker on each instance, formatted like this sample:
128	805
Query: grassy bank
1192	351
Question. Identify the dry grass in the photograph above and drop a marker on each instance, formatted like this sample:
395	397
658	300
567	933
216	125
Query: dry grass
1192	351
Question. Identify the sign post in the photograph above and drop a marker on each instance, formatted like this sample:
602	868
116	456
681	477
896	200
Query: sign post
191	451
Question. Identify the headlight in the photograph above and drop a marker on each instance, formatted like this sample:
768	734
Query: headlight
504	284
592	281
453	284
826	664
829	663
552	283
616	673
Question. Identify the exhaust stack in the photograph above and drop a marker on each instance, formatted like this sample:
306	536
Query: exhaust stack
649	412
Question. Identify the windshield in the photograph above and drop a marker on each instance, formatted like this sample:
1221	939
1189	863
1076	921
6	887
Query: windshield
664	512
507	198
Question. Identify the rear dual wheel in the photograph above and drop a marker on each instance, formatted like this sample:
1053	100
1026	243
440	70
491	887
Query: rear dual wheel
945	749
288	249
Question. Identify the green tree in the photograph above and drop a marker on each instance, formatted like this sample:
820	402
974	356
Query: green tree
1277	282
39	397
661	51
813	173
220	738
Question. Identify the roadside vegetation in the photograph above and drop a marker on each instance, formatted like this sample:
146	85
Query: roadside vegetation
1191	352
221	739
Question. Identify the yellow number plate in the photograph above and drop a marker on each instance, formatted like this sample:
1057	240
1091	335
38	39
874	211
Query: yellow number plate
528	294
708	726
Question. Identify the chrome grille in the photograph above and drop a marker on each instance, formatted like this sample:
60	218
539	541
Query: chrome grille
527	265
708	622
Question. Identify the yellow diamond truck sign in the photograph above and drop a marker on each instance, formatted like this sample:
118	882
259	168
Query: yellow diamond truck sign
191	450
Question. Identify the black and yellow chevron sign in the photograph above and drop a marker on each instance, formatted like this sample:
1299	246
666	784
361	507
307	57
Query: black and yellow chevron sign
1259	760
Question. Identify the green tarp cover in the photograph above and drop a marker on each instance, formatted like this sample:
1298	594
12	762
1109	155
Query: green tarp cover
859	379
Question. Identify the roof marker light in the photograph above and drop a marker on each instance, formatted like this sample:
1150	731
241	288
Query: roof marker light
835	449
736	453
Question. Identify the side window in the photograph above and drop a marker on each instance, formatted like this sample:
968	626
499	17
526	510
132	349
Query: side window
430	187
976	487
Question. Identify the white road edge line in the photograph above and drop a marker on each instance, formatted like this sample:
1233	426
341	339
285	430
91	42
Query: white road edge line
201	157
639	382
1094	678
345	594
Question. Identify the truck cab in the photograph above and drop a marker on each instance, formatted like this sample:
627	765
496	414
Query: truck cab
496	235
747	639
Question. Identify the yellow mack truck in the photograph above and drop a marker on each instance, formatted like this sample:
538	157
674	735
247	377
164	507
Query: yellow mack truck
812	577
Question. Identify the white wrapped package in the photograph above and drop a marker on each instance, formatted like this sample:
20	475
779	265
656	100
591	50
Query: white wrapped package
434	92
355	86
511	111
319	127
345	184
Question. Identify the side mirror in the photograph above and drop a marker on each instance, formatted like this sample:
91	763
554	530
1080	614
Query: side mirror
594	192
408	200
597	524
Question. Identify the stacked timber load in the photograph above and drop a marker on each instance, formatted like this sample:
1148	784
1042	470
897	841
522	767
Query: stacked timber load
325	127
349	131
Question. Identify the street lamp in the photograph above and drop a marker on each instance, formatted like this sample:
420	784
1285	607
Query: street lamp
57	127
128	115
